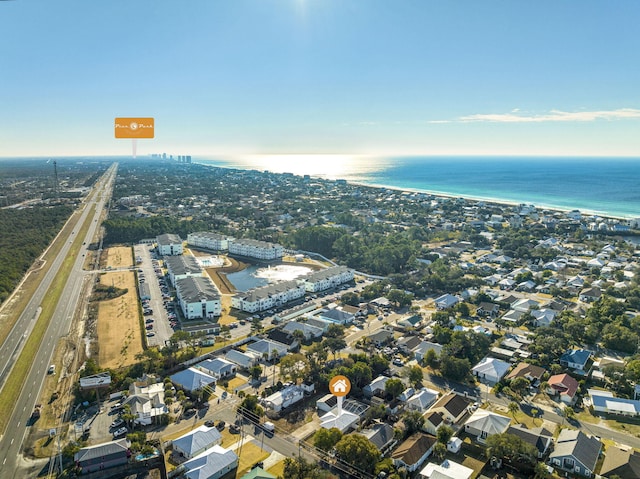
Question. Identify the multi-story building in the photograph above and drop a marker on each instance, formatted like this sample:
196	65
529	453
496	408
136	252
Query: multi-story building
207	240
180	267
251	248
326	278
266	297
169	245
198	297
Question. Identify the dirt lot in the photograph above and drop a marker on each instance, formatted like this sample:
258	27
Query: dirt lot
119	331
119	257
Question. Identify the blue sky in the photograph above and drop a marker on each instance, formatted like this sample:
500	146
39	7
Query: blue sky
373	77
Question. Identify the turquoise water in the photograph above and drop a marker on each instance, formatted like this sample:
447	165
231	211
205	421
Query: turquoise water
606	186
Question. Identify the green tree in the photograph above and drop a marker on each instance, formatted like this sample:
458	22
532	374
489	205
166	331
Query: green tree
255	371
294	367
513	407
439	451
431	358
326	439
299	468
416	375
393	388
413	422
358	451
444	433
511	448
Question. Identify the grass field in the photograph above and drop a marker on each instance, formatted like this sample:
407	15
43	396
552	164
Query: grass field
119	257
249	455
119	327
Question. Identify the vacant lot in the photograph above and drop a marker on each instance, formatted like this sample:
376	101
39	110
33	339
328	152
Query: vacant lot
119	257
119	332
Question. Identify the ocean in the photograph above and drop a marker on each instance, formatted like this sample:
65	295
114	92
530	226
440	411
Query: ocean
604	186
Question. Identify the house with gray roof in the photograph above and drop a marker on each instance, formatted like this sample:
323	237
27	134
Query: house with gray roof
196	442
490	370
218	367
308	330
191	379
621	461
538	437
376	387
242	359
576	453
265	348
102	456
420	351
578	360
381	435
336	315
213	463
484	423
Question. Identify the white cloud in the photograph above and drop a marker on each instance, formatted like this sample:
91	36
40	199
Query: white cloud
553	116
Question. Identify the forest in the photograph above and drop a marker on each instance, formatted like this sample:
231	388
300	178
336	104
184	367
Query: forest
25	235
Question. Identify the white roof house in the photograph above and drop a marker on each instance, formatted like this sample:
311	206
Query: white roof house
422	399
490	370
345	421
196	441
447	470
446	301
242	359
218	367
146	402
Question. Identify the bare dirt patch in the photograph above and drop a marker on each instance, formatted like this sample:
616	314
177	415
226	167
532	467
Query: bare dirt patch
119	257
119	330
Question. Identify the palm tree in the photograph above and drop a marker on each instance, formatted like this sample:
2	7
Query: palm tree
513	409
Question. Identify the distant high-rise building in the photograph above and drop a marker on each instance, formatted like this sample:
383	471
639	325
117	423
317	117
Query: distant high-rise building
164	156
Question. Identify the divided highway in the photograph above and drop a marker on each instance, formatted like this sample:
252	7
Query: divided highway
12	441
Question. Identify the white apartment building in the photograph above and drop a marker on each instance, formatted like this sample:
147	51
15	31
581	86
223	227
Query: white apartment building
326	278
256	249
180	267
198	297
169	245
266	297
207	240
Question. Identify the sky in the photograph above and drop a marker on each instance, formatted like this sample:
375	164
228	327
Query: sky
354	77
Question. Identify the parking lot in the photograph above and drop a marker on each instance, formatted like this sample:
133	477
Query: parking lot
157	316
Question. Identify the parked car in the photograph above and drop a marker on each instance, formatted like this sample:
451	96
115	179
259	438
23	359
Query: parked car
120	432
117	423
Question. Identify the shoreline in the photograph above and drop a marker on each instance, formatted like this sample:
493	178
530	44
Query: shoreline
465	197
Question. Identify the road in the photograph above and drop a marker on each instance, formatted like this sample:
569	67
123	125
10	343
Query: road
12	441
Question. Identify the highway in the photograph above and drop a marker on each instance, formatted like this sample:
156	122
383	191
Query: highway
12	441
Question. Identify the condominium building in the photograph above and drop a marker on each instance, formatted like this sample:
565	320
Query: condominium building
198	297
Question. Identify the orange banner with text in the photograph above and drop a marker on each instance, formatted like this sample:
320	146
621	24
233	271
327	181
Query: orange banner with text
134	127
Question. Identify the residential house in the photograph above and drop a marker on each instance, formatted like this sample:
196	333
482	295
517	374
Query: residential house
213	463
576	453
146	402
284	398
623	462
446	301
579	360
528	371
381	337
413	321
102	456
267	350
447	470
219	368
258	473
605	402
490	370
326	403
192	379
411	453
196	442
381	435
421	350
564	386
589	295
490	310
422	399
241	359
376	387
484	423
408	343
336	315
452	407
538	437
308	330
